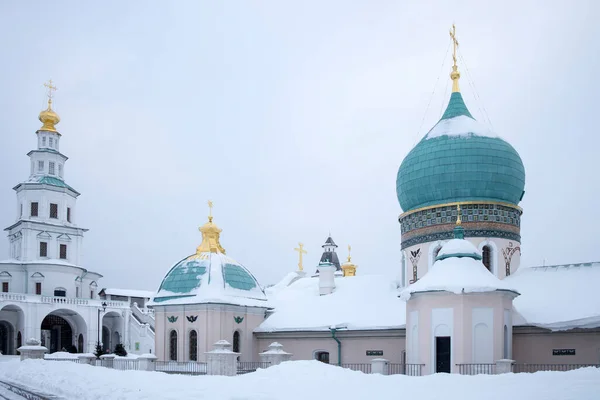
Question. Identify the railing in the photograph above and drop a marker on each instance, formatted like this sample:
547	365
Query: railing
244	367
24	393
143	315
33	298
73	360
13	296
476	369
550	367
181	367
362	367
125	364
405	369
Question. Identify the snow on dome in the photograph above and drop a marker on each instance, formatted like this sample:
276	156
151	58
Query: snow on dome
458	246
461	125
358	303
210	278
558	297
457	275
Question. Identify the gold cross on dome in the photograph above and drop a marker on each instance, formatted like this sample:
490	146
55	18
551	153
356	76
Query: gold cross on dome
349	249
51	88
455	44
301	251
210	207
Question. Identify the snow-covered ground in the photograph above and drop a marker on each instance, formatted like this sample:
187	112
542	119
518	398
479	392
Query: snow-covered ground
295	380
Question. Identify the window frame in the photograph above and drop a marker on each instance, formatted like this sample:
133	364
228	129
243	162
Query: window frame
51	167
63	248
193	345
5	287
68	214
34	205
173	348
53	207
38	288
41	166
43	245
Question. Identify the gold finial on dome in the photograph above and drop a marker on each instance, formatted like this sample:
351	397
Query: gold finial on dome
454	75
348	268
48	117
458	213
301	251
210	235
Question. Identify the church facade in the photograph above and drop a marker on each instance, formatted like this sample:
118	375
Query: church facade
463	298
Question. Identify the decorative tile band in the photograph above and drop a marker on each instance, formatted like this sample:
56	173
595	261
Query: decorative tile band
446	214
432	237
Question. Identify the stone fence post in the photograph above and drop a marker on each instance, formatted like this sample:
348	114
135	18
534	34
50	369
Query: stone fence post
32	350
275	354
504	366
379	366
147	362
221	360
108	360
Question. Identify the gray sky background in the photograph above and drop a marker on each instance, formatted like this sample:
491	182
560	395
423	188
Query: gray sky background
293	117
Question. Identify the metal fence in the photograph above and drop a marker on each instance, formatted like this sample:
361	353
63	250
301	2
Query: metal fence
476	369
73	360
550	367
126	364
181	367
362	367
244	367
405	369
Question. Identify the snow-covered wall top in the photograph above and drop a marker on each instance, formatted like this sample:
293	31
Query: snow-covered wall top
357	303
558	297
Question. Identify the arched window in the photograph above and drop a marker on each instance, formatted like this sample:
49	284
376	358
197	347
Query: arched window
236	341
80	343
173	346
322	356
487	257
193	346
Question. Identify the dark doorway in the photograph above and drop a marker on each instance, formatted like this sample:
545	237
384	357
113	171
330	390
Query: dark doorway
322	356
19	340
442	354
59	332
105	338
6	337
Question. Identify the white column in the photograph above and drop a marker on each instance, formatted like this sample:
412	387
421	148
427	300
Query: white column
221	360
32	350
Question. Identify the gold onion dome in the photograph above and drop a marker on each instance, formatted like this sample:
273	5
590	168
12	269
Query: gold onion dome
210	236
348	268
49	118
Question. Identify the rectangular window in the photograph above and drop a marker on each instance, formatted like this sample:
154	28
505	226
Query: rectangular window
5	287
43	249
38	288
44	141
63	251
60	170
51	168
34	209
51	142
91	294
76	291
68	214
21	210
53	210
40	166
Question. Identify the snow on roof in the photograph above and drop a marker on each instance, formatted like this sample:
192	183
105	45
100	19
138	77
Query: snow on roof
458	246
210	278
558	297
146	294
357	303
457	275
283	283
459	126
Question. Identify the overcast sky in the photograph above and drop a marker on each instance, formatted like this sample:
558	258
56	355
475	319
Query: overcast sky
293	118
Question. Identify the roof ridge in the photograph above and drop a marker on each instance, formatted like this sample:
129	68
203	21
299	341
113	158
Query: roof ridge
577	265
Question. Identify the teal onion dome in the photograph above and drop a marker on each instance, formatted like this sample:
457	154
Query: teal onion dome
458	160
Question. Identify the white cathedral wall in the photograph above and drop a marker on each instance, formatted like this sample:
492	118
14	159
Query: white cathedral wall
426	256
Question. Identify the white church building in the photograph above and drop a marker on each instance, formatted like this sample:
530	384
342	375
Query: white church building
461	298
46	292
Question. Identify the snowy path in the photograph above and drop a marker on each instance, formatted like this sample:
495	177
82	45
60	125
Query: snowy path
295	380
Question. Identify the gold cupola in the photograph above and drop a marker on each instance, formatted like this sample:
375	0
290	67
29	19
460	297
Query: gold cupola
48	117
348	268
210	236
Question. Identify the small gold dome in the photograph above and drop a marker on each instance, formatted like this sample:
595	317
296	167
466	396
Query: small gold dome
49	118
210	238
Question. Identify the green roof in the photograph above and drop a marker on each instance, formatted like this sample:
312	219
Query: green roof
238	278
185	276
446	169
50	180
